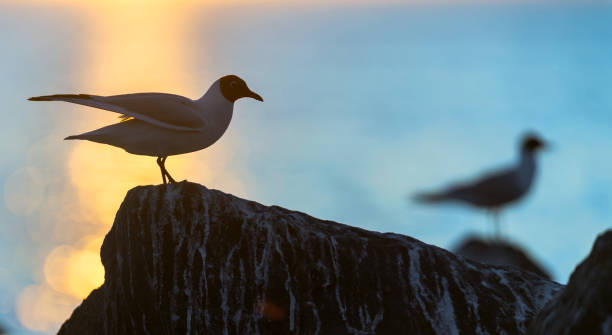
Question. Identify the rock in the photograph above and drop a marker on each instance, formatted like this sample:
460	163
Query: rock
585	304
182	259
499	252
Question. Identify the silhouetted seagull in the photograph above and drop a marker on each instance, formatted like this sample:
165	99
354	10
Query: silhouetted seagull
496	190
161	124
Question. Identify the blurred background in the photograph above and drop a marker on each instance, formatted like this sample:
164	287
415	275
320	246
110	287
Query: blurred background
364	105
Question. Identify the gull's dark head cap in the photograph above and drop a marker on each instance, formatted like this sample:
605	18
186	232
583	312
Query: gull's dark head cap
234	88
532	143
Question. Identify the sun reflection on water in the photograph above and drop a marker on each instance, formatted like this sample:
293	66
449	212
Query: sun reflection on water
75	270
131	49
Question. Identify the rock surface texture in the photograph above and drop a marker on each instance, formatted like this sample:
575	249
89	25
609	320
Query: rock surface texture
499	252
585	305
182	259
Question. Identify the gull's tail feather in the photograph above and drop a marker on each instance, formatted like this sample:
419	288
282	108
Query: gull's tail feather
430	198
60	97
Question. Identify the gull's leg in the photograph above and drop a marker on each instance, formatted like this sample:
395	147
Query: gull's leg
163	161
161	167
496	224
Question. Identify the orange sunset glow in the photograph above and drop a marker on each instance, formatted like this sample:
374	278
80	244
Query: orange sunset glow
135	50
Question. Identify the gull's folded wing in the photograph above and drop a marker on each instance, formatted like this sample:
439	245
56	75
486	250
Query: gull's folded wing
491	189
161	109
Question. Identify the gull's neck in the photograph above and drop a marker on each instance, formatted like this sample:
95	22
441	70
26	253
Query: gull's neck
527	167
214	93
527	158
213	100
215	109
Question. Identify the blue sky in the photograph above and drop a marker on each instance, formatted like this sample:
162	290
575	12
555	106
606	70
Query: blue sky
363	106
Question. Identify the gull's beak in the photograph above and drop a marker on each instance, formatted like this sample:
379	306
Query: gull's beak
254	95
545	146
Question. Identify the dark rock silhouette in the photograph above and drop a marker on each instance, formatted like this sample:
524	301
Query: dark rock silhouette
499	252
182	259
585	305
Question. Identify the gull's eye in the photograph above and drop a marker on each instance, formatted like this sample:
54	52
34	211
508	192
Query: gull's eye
233	84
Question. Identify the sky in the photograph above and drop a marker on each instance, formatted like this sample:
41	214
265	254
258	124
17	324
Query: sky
364	106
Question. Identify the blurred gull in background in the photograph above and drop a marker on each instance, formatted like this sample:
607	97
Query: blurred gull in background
161	124
495	190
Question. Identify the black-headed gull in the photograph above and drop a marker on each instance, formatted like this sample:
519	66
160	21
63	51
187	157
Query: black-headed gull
161	124
496	190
